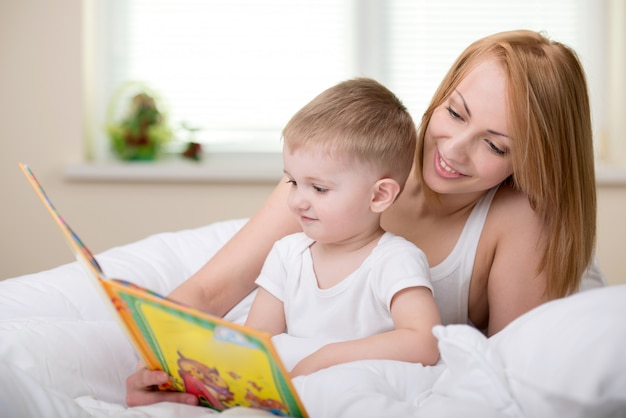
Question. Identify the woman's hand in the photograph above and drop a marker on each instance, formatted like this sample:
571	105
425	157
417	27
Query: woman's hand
142	389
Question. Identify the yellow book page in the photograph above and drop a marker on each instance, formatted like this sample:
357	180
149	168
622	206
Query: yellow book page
216	361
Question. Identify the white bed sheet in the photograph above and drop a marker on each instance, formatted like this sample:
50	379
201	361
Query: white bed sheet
62	354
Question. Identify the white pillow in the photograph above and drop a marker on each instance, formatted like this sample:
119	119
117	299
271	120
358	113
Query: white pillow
71	357
567	358
23	396
55	329
473	376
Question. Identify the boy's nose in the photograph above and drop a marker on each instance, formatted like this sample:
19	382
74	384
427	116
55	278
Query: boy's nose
298	200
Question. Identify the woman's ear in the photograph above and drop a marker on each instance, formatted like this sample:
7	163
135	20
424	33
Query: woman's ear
385	192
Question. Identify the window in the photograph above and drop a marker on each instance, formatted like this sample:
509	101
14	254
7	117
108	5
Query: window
239	69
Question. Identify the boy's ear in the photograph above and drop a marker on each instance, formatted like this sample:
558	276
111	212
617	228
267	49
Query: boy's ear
385	192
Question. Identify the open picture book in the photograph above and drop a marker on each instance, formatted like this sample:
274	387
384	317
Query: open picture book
224	364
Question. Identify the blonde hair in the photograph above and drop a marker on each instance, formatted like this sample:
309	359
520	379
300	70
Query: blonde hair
360	118
552	153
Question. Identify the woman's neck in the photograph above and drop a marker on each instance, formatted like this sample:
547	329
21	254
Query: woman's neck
447	205
427	204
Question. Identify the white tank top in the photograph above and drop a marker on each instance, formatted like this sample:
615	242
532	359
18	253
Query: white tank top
451	278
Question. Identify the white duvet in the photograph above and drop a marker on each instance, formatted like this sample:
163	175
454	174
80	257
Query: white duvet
63	355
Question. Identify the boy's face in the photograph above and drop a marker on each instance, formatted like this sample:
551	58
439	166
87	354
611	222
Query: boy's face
330	195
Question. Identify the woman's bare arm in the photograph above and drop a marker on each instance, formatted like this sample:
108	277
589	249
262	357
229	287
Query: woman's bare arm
515	284
229	275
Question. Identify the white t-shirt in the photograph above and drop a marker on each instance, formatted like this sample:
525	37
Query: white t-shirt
356	307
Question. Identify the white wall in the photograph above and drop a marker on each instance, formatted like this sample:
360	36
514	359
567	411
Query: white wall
41	124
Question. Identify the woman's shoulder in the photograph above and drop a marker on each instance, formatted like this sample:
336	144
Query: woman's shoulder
510	201
511	212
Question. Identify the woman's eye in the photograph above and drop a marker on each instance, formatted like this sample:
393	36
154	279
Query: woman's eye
453	113
494	148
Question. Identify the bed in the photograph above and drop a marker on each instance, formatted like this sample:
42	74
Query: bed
63	355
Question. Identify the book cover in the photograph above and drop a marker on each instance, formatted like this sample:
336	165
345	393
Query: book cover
224	364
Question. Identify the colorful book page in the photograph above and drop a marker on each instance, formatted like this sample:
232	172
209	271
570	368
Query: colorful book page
217	362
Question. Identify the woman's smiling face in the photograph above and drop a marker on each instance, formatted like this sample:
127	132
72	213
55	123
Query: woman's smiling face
467	146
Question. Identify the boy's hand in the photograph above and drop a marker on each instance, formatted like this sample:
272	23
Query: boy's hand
310	364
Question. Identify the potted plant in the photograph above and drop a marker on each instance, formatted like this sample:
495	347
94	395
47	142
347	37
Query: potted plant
143	129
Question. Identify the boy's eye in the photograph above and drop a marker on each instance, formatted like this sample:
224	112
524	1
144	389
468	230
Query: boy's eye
319	189
292	182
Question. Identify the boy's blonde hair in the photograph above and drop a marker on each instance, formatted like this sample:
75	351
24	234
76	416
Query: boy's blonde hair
361	119
552	149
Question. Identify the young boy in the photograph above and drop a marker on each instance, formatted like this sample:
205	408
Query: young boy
347	155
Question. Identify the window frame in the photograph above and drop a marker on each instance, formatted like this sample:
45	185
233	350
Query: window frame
603	19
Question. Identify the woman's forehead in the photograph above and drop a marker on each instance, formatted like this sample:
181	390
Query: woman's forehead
483	93
484	74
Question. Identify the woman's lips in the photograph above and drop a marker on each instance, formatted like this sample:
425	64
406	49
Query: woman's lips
445	170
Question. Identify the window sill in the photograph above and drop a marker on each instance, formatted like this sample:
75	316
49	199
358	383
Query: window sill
610	175
229	168
214	168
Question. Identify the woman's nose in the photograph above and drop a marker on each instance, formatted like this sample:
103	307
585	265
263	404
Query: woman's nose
457	147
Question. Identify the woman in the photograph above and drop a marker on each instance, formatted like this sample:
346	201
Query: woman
501	198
